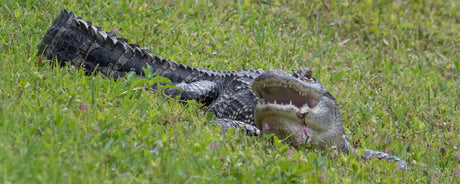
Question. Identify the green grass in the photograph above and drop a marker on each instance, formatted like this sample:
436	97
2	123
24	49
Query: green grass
393	66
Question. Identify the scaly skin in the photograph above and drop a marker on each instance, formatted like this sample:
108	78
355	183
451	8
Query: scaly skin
227	93
313	117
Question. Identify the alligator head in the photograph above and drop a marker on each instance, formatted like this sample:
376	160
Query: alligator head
298	109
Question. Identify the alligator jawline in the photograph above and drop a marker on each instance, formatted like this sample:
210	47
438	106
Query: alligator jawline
287	95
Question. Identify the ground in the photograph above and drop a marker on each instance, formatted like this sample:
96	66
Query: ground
393	66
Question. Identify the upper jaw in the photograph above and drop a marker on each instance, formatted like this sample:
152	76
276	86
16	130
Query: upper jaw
287	96
281	89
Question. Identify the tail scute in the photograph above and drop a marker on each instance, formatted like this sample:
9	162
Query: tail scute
64	19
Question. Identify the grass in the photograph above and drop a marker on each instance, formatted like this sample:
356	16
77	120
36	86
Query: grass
393	66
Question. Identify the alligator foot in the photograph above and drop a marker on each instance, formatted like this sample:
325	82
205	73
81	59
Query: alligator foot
228	123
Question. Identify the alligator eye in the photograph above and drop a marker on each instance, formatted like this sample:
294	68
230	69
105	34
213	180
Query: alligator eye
307	76
311	79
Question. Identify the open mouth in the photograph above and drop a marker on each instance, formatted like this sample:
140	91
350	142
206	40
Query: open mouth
287	94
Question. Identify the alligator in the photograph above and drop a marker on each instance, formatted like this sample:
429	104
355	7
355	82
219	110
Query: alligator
295	107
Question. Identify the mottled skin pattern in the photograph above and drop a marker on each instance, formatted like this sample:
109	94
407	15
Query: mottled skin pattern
295	107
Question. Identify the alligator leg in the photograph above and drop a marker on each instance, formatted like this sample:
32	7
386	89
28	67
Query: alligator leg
229	123
206	92
203	91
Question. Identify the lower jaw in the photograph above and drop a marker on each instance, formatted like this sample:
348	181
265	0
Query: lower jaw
288	129
271	108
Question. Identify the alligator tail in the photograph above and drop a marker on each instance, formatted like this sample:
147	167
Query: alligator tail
61	21
369	154
71	39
